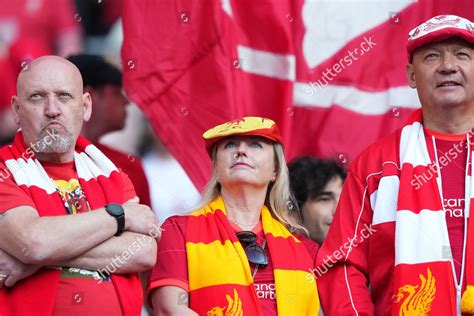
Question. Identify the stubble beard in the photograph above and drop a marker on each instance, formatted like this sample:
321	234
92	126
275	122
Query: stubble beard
54	140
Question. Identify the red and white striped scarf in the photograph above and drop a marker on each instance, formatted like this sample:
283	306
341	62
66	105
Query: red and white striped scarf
98	176
424	273
102	183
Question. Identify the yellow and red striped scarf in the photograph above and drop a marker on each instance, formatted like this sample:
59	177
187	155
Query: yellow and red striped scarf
220	281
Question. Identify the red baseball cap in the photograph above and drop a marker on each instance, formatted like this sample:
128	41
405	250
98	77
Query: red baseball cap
439	28
246	126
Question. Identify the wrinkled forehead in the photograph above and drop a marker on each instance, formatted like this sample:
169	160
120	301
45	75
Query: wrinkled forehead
49	74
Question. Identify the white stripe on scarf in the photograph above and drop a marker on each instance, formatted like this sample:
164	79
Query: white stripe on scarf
89	164
422	237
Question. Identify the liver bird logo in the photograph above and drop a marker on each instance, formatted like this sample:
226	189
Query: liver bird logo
417	299
234	307
235	124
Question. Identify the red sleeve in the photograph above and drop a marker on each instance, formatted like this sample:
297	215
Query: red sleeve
128	189
11	195
342	283
171	266
133	167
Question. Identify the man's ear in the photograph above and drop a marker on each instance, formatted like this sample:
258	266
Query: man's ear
16	109
87	103
91	91
410	71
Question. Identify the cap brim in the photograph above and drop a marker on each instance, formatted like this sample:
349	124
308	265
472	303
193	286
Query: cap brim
437	36
261	133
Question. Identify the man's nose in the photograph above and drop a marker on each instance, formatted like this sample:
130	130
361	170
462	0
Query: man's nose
124	99
334	207
52	108
448	63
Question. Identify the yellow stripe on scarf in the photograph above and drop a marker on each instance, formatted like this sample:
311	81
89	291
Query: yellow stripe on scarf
274	227
217	264
293	288
467	301
213	259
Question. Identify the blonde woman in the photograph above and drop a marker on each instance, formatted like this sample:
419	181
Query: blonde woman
235	255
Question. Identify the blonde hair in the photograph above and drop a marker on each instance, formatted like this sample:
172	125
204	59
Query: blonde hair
279	199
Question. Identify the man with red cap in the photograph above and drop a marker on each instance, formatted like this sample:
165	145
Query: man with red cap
402	241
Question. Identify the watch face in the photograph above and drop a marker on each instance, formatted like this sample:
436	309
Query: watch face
115	209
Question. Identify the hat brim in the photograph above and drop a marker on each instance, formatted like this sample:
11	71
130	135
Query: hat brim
437	36
265	133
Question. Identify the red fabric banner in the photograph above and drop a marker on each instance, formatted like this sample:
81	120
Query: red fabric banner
330	73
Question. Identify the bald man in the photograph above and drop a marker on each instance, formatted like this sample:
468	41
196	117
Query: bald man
72	234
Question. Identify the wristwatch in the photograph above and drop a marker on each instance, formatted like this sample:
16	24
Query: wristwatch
116	210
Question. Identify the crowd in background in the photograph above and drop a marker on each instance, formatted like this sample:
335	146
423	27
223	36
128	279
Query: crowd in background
32	28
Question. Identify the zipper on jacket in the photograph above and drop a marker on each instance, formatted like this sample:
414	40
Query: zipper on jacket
457	283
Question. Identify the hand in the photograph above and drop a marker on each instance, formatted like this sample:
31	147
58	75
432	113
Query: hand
13	270
141	219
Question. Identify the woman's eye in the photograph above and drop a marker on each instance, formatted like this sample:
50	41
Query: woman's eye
230	144
256	145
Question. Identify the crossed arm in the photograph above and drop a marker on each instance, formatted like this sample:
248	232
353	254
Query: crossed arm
171	300
86	240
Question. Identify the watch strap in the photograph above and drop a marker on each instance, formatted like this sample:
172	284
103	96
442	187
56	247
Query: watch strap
117	211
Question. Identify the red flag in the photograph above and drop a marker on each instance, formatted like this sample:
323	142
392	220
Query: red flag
330	73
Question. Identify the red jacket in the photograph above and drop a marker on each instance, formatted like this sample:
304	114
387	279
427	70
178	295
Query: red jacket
360	281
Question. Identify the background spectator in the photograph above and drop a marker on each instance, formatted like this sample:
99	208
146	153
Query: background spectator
316	185
103	82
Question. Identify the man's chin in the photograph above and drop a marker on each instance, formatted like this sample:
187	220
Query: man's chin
55	144
55	150
55	130
450	100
